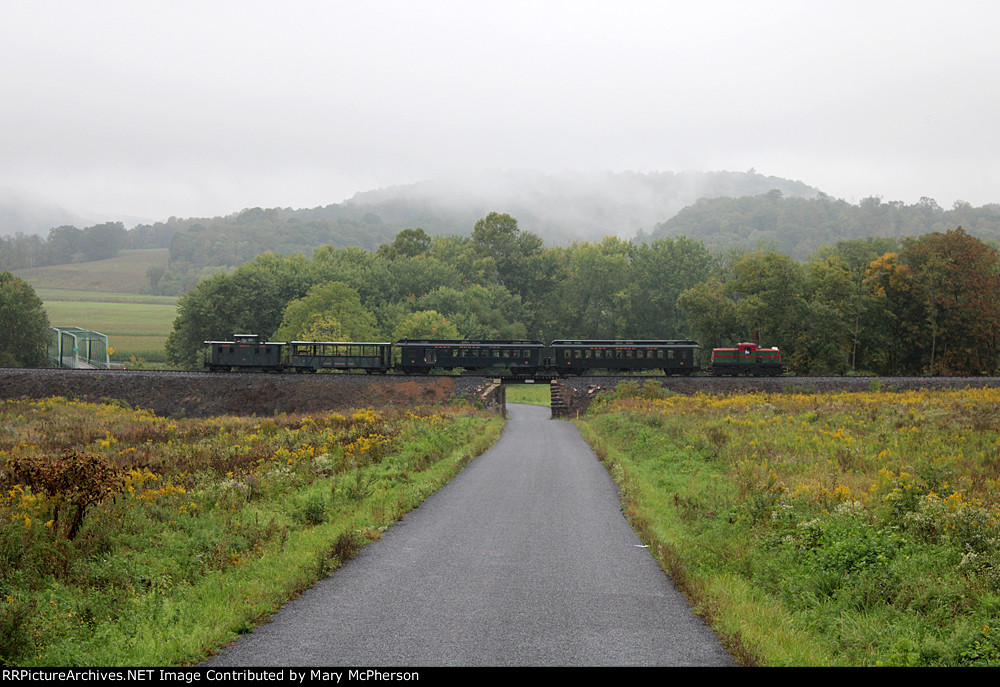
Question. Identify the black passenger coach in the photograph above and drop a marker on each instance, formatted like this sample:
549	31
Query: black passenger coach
580	357
514	357
420	356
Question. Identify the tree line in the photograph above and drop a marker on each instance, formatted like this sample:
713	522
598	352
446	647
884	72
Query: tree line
63	245
886	306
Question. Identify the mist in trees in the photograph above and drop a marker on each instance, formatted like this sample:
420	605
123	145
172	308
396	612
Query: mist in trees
64	244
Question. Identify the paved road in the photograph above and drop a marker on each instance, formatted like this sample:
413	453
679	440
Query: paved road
523	559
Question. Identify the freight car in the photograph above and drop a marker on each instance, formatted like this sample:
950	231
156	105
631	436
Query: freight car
746	359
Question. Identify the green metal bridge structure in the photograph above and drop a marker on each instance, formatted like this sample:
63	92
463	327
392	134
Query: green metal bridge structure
73	347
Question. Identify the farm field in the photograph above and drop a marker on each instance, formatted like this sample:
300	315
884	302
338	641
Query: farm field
136	330
104	296
852	529
124	274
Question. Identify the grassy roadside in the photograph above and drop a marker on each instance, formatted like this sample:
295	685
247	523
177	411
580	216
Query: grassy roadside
194	530
839	529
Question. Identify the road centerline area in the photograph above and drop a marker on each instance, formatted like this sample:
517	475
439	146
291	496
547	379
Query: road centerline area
523	559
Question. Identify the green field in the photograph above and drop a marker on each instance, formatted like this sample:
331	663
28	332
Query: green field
532	394
133	329
104	296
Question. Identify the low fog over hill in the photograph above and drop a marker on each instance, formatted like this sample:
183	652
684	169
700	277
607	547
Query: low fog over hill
562	207
26	214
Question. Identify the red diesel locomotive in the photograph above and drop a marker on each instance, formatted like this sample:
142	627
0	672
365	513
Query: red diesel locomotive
746	359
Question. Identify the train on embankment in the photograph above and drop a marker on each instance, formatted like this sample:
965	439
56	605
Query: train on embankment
561	358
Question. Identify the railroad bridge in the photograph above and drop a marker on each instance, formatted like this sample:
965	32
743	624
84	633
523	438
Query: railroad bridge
78	348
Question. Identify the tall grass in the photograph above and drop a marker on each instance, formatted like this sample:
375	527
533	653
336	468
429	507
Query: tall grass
821	529
212	524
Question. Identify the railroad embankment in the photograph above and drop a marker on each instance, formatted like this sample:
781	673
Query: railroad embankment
576	393
201	394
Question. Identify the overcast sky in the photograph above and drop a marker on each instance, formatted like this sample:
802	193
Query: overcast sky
203	108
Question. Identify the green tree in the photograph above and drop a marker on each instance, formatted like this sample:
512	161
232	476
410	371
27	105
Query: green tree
841	281
320	308
478	312
496	234
459	253
425	324
249	300
411	278
324	327
24	326
593	298
62	245
408	243
711	314
522	266
102	241
658	273
769	288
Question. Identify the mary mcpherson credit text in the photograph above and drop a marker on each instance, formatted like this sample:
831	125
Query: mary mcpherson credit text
207	675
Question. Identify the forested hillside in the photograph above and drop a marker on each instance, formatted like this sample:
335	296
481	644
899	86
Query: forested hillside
566	207
724	210
800	226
